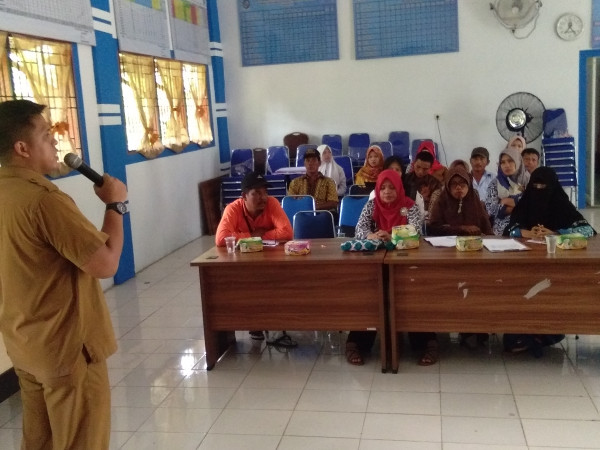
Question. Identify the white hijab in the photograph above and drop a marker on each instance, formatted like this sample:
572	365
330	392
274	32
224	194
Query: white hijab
332	170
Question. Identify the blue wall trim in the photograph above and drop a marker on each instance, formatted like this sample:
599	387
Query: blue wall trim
214	32
114	150
100	4
224	151
582	168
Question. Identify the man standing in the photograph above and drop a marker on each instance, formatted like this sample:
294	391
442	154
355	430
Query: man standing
480	158
53	317
314	183
254	214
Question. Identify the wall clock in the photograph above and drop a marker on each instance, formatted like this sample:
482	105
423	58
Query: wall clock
569	26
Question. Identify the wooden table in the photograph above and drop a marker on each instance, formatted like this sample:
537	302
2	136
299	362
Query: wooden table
325	290
444	290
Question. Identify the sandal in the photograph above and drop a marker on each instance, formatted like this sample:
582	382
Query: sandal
430	355
257	335
283	341
353	355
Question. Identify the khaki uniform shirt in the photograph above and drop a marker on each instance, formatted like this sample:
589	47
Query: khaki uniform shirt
49	308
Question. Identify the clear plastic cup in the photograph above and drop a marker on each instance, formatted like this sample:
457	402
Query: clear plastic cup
551	243
230	243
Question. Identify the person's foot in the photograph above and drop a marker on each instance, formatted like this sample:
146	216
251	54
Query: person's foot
353	355
257	335
431	354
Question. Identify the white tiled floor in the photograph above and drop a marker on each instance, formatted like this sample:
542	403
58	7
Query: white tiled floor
260	398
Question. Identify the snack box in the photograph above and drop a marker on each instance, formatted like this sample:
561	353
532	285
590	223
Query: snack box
405	237
297	248
251	244
469	243
572	241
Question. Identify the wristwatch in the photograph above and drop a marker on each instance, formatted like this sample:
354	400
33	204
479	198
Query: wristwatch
119	207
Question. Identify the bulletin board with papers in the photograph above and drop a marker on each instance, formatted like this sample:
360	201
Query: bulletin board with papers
386	28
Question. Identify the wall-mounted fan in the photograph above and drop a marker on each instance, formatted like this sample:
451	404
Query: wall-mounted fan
516	14
520	113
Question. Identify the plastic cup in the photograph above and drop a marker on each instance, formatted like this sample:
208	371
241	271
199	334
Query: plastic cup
340	232
230	243
551	243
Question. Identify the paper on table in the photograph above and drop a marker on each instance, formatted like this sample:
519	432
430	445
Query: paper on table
503	245
442	241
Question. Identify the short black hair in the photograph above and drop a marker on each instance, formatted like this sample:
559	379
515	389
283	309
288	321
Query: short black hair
391	160
425	157
530	151
16	121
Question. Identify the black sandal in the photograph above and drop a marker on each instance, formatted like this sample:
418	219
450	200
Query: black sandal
283	341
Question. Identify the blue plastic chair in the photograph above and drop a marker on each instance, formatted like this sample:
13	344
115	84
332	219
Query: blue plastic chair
346	163
242	162
231	189
386	148
291	204
358	143
300	153
350	209
400	145
334	141
415	145
278	187
277	157
313	225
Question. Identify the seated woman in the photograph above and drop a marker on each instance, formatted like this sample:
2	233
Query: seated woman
458	211
332	169
389	208
372	168
543	210
506	191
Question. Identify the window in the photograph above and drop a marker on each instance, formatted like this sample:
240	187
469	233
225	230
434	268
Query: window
165	104
41	70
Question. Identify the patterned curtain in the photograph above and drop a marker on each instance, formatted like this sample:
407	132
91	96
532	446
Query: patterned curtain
175	135
137	72
48	68
201	132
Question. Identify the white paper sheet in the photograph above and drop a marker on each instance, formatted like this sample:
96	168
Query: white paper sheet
504	245
442	241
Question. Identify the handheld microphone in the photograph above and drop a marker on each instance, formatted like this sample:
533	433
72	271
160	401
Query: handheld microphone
75	162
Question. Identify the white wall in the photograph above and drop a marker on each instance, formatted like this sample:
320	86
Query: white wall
404	93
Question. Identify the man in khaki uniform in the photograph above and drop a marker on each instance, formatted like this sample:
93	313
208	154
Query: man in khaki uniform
53	316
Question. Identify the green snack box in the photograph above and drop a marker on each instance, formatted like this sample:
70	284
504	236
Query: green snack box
571	241
251	244
405	237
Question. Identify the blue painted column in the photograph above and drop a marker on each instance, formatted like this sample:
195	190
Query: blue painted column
218	69
112	124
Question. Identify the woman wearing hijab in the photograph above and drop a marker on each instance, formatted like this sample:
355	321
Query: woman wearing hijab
505	193
545	209
331	169
458	210
389	208
517	142
437	169
372	168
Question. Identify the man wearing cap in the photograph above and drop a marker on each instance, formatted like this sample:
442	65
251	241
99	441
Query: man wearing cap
480	158
254	214
314	183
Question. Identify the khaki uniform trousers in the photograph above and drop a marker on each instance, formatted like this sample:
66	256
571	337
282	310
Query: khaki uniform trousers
67	413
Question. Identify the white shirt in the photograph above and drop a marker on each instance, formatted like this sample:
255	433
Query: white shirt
482	185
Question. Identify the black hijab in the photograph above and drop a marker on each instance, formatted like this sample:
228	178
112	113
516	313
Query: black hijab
544	202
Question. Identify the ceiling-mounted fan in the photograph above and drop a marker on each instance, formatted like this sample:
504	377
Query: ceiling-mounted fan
516	14
520	113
